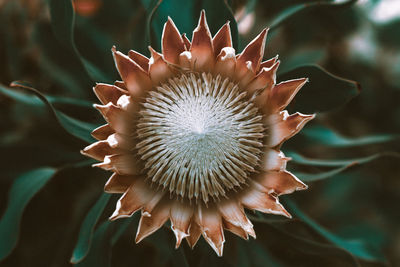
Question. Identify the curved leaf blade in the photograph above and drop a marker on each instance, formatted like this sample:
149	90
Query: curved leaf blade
22	191
324	92
293	11
299	243
357	248
325	136
299	159
105	236
100	251
63	21
75	127
341	165
87	228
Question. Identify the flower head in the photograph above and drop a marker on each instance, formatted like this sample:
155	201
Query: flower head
193	135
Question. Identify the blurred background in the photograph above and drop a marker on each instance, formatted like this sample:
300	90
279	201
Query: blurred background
53	211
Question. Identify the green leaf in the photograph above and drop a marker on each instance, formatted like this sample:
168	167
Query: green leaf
151	8
62	21
123	226
356	247
20	97
292	11
77	128
312	177
294	241
299	159
323	92
343	165
59	100
106	235
100	251
22	191
27	99
299	57
325	136
87	228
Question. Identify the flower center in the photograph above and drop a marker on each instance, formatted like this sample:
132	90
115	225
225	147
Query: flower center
199	136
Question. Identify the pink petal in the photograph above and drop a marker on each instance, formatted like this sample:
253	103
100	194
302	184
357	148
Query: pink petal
150	205
100	149
269	63
202	49
159	70
102	132
135	78
107	93
118	119
222	39
186	41
185	60
121	141
273	160
256	199
233	213
133	199
194	234
118	184
226	63
150	224
210	223
264	80
172	42
140	59
121	85
123	164
283	93
286	127
181	215
281	182
253	52
127	103
236	230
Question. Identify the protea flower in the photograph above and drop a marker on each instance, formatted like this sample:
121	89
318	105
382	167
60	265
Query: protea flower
193	135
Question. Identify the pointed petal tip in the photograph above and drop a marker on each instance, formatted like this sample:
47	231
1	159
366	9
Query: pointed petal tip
263	33
303	187
117	215
172	43
179	235
202	13
306	117
151	49
276	64
154	55
217	247
138	238
252	233
202	19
